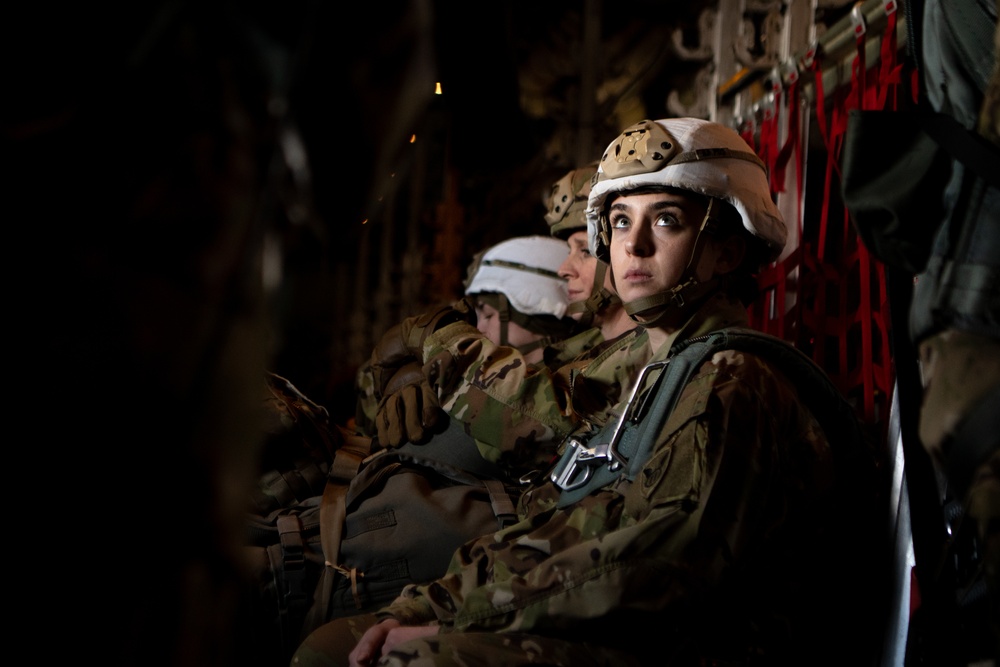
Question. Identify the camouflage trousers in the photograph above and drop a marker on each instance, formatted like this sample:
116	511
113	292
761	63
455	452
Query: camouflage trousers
329	646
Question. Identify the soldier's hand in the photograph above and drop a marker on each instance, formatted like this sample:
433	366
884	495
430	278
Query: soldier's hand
404	342
409	410
369	648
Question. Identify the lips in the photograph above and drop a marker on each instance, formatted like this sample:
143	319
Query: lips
637	275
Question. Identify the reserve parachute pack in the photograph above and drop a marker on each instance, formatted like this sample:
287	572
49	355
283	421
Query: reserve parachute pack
621	447
859	508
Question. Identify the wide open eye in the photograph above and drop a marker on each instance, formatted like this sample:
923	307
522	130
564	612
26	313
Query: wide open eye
667	220
620	221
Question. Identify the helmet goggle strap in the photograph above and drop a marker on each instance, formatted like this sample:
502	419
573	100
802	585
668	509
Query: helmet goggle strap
675	303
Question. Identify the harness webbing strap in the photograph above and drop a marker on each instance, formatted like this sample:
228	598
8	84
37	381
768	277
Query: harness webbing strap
332	514
634	444
500	500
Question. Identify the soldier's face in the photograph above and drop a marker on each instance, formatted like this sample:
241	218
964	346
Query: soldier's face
488	322
579	267
652	239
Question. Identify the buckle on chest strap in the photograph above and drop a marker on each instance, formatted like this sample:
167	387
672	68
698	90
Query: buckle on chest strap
579	462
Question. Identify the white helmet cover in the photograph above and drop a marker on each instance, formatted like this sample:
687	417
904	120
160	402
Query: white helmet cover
690	154
525	270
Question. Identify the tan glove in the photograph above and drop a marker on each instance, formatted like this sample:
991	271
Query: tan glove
404	342
409	411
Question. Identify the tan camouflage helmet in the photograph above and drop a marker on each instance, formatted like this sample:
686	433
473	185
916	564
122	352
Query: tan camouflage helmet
691	154
567	202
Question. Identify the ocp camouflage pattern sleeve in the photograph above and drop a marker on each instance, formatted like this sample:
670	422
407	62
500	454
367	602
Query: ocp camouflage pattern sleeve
606	377
510	407
504	402
564	351
733	485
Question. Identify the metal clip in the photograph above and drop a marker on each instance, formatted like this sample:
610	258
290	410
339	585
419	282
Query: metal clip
889	6
790	72
577	466
810	56
858	20
631	412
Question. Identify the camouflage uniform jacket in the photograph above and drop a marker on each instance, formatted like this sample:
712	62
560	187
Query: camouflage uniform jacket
722	519
519	413
556	355
575	353
568	349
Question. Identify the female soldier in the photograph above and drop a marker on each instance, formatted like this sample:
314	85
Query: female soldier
722	541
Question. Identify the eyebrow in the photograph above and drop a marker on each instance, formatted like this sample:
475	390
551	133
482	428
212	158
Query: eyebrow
658	206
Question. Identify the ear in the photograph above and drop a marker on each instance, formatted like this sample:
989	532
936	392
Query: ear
731	253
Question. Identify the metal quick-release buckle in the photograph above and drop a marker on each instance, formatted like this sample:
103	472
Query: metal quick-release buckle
578	462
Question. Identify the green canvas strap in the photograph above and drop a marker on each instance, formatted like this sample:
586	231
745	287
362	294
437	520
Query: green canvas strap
623	445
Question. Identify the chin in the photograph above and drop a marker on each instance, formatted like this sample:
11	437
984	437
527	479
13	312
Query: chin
640	292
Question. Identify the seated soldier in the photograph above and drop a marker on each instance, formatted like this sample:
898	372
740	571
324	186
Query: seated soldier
592	297
727	536
395	513
583	375
519	300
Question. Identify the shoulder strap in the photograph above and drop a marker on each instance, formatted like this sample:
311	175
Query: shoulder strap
584	467
966	146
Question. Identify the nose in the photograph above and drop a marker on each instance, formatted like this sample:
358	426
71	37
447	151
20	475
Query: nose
567	269
640	240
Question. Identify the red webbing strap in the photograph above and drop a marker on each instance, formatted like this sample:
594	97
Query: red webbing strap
889	81
767	313
791	141
878	94
881	90
861	96
768	151
858	69
792	146
747	132
890	71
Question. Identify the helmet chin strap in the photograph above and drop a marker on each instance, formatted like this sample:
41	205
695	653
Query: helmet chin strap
673	306
505	311
599	299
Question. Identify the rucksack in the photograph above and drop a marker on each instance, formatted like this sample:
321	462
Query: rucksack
383	519
399	519
282	529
